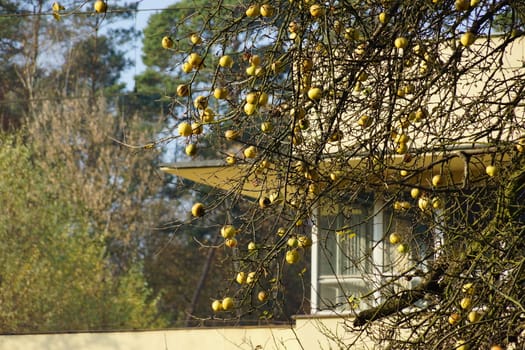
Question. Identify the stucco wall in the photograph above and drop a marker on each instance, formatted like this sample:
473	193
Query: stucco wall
307	334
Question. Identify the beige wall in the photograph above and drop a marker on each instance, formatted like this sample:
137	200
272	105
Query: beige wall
307	334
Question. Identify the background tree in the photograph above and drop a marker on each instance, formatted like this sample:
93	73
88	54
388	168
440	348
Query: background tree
349	99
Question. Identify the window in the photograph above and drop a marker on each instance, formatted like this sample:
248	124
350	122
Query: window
352	256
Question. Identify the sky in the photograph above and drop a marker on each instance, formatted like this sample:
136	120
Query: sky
146	9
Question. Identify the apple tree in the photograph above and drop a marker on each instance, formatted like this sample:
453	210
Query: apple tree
387	133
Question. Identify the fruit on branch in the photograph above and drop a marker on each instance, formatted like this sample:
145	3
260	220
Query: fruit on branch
220	93
250	152
262	296
304	241
191	149
402	248
195	39
227	303
292	242
454	318
255	60
240	278
250	278
423	203
467	39
185	129
266	127
183	90
231	160
230	242
364	121
292	256
491	170
264	202
468	288
252	246
197	210
462	5
415	192
216	306
167	42
437	203
228	231
394	238
383	17
249	108
187	67
200	102
100	6
267	10
437	180
315	93
197	128
401	42
263	99
231	135
253	10
465	303
474	316
461	345
316	10
226	61
496	347
195	60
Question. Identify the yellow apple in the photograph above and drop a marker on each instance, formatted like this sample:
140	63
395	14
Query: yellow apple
437	180
231	135
255	60
293	27
231	160
252	246
252	97
240	278
364	121
187	67
383	17
304	241
100	6
228	231
454	318
191	149
423	203
468	288
403	173
216	306
267	10
227	303
226	61
266	127
262	296
496	347
185	129
195	60
401	148
281	231
315	93
253	11
474	316
437	203
251	277
462	5
491	170
200	102
249	108
401	42
520	145
316	10
402	248
292	242
250	152
465	303
292	256
220	93
167	42
230	242
195	39
251	70
394	238
263	99
197	128
414	193
467	39
183	90
197	210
